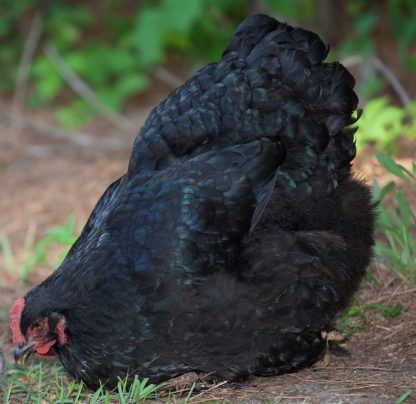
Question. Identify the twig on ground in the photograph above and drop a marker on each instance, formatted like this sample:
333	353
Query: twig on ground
77	138
166	77
382	68
360	368
216	386
366	386
392	80
29	49
397	330
351	61
84	91
389	295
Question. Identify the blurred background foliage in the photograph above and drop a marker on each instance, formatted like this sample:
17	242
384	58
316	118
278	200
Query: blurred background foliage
115	46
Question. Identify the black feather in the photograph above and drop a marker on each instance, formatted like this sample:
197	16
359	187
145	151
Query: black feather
167	277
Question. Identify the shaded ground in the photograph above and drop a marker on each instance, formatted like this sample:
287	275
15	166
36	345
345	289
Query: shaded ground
43	181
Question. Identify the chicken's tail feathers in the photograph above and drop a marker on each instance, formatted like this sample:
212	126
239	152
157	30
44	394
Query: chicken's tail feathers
295	58
314	101
271	82
249	33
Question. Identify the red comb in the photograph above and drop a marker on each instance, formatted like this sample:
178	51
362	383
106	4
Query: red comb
15	314
60	330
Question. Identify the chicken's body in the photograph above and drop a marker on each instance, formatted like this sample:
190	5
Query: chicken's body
237	232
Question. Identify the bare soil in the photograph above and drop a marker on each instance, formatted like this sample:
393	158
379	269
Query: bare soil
43	181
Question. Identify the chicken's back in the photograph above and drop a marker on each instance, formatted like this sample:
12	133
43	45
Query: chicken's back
271	82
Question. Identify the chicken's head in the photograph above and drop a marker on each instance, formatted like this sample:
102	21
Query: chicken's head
39	336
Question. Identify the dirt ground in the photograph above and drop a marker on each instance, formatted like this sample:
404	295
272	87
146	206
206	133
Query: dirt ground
43	181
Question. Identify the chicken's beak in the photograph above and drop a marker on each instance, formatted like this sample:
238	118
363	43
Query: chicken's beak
22	353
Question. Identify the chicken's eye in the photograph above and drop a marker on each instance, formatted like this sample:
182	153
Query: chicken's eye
36	326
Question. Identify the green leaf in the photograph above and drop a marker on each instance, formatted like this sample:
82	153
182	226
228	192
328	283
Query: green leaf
74	114
6	249
122	60
366	22
403	397
391	166
386	190
382	123
148	33
386	310
180	15
48	82
131	84
372	85
405	210
286	8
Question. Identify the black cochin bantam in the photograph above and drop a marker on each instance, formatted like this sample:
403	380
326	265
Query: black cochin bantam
236	235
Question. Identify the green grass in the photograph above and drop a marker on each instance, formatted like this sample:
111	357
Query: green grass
382	124
357	317
403	397
48	383
37	254
397	247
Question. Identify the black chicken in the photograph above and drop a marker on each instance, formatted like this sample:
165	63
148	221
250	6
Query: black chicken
233	239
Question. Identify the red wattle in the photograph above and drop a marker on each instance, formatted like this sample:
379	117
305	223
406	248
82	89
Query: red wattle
44	349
